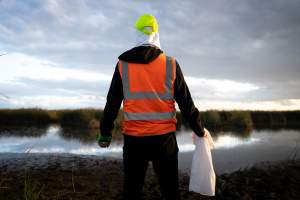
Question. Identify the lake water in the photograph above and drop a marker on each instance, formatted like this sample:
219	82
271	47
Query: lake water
233	150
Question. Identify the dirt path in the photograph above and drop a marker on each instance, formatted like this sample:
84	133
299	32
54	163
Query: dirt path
65	176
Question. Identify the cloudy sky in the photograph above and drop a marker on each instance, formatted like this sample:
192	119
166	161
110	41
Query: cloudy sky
234	54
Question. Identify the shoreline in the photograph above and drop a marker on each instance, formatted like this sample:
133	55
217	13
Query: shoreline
238	120
66	176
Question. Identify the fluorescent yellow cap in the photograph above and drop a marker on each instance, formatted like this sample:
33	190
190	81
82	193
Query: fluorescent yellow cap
147	24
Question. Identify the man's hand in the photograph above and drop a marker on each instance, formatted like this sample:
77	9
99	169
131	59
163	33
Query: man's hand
206	132
104	141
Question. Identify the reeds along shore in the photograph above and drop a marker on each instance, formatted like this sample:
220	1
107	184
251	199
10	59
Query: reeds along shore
89	118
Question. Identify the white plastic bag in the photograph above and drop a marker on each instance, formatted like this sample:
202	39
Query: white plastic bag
203	177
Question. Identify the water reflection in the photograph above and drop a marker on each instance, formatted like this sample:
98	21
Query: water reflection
34	131
228	141
85	136
55	139
82	141
239	133
82	135
222	140
233	149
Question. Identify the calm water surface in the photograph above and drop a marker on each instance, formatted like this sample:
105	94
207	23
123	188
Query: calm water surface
233	150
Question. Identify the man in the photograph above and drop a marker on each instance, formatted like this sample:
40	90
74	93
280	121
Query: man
148	82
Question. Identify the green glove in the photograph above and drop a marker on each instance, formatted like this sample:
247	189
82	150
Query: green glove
104	141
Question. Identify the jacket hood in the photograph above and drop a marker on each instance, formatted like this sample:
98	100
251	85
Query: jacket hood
141	54
144	39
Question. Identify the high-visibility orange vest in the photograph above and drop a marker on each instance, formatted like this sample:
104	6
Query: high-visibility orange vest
149	106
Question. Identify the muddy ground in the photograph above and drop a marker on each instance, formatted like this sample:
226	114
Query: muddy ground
66	177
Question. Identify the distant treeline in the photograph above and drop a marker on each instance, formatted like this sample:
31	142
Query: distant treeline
241	120
213	119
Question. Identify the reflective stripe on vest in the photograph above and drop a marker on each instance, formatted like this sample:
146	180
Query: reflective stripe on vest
167	95
149	116
148	95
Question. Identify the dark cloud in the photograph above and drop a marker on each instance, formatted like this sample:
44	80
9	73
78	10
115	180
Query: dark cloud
256	40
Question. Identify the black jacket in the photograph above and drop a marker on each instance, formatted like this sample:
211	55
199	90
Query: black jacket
144	55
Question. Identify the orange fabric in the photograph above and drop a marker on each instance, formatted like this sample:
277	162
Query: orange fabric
148	105
149	77
148	127
174	73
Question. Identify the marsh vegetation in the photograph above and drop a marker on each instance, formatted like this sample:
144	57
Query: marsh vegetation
89	118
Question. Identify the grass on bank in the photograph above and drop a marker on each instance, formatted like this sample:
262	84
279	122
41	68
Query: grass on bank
32	190
32	116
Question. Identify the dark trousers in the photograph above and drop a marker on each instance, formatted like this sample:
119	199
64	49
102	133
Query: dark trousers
162	150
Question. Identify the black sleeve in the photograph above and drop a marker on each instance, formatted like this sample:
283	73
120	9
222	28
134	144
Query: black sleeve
186	104
113	103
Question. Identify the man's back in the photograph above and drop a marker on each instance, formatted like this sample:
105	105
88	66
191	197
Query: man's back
181	94
148	83
148	89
